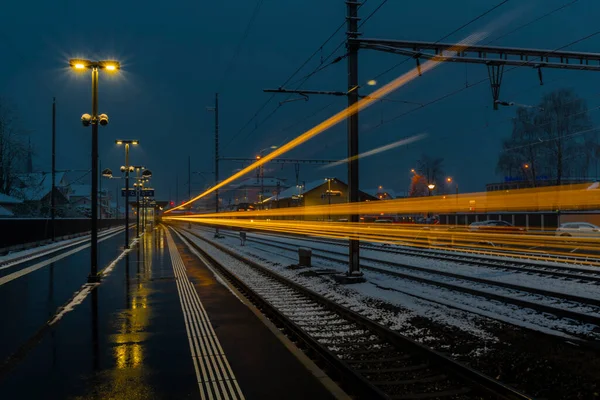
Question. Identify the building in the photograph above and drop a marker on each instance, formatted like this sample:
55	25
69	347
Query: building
381	193
35	189
512	183
7	205
80	201
317	193
249	190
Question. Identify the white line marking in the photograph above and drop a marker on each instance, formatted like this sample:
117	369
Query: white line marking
17	259
215	377
35	267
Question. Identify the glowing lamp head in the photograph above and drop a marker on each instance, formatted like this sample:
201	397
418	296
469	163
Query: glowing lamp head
431	186
448	180
372	82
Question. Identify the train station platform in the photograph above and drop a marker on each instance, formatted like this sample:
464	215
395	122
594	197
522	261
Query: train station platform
160	325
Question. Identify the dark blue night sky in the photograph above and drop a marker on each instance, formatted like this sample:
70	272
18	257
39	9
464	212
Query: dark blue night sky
174	56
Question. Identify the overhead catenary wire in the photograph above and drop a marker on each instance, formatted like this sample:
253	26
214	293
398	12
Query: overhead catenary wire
304	78
240	43
455	92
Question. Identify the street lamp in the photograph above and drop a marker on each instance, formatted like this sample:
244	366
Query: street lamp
94	119
329	195
261	171
137	194
127	169
431	186
146	175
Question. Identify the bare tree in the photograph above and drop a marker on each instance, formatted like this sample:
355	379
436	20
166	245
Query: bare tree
12	146
556	138
418	186
431	169
521	154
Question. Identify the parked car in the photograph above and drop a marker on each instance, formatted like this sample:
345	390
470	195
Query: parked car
578	229
495	226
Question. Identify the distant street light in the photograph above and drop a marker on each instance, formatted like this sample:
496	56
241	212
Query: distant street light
127	169
431	186
94	119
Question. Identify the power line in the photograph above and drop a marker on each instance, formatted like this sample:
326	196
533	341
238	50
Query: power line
444	37
473	20
482	81
304	78
532	22
239	46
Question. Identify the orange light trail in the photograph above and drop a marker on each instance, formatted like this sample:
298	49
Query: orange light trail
424	236
339	117
575	197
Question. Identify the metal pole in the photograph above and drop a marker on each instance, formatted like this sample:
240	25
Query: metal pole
117	200
126	195
189	178
94	237
100	188
52	197
352	22
217	157
329	196
137	200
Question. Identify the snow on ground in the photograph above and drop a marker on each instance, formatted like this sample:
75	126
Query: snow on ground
361	298
14	258
544	282
509	258
450	307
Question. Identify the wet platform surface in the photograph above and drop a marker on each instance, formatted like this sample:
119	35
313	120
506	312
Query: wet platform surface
129	337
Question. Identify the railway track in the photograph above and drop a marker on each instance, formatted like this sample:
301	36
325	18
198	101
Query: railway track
567	271
368	358
542	301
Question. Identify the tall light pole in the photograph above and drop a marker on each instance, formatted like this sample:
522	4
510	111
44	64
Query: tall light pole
431	186
126	169
144	178
136	185
216	110
94	119
52	194
329	195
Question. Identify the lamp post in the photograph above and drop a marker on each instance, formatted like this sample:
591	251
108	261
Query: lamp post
431	186
329	196
94	119
127	169
261	171
144	178
137	169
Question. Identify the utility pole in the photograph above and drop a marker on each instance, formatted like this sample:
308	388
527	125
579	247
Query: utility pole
52	196
216	110
189	177
177	189
217	158
352	47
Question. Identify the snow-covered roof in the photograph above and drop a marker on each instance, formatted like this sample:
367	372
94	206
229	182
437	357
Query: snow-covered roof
253	182
36	185
376	192
294	191
80	191
6	199
5	213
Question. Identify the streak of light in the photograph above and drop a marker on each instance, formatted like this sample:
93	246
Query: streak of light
378	150
342	115
424	236
551	198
